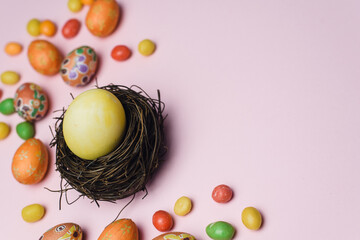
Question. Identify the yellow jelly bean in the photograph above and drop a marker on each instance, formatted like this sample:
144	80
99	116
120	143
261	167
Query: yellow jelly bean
4	130
146	47
182	206
33	212
33	27
251	218
75	5
10	77
13	48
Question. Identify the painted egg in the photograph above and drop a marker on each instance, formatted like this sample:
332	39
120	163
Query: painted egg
102	17
30	162
31	102
79	66
124	229
175	236
44	57
68	231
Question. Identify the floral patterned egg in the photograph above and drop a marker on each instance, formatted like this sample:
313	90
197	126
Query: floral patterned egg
175	236
30	162
63	231
31	102
44	57
79	66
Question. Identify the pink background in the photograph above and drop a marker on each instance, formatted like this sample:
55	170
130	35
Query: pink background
260	95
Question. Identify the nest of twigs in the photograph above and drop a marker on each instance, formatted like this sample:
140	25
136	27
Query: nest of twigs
126	170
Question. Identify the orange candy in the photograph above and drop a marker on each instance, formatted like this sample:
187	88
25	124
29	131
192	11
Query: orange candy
30	162
13	48
47	28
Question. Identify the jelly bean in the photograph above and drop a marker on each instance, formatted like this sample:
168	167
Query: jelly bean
10	77
251	218
146	47
4	130
48	28
71	28
120	53
33	27
7	106
75	5
220	231
162	221
33	212
182	206
222	193
13	48
25	130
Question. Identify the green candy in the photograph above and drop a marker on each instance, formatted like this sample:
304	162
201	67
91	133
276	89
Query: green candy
7	106
25	130
220	231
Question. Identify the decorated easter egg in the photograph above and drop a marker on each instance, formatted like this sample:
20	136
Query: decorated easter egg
30	162
79	66
175	236
94	124
124	229
70	231
31	102
102	17
44	57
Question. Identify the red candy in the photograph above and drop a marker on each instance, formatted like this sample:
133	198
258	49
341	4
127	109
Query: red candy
120	53
162	221
222	194
71	28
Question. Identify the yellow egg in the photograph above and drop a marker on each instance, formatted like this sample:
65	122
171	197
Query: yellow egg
10	77
146	47
4	130
251	218
182	206
94	124
33	212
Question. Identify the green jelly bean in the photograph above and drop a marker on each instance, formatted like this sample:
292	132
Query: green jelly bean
25	130
7	106
220	231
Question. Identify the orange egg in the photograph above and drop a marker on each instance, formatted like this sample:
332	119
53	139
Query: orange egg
102	17
30	162
44	57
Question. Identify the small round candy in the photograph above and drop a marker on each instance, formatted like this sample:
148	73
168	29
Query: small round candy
120	53
71	28
251	218
182	206
13	48
10	77
25	130
162	221
48	28
75	5
4	130
146	47
33	213
222	193
7	106
87	2
33	27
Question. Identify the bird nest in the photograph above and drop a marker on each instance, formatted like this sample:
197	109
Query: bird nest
126	170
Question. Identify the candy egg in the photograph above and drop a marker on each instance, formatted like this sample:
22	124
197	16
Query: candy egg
4	130
10	77
33	27
33	212
13	48
44	57
182	206
71	28
30	162
7	106
48	28
79	66
31	102
162	221
175	236
222	193
124	229
146	47
25	130
251	218
102	17
220	231
70	231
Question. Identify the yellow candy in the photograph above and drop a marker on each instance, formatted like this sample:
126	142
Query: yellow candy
13	48
10	77
251	218
33	212
33	27
146	47
182	206
75	5
4	130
